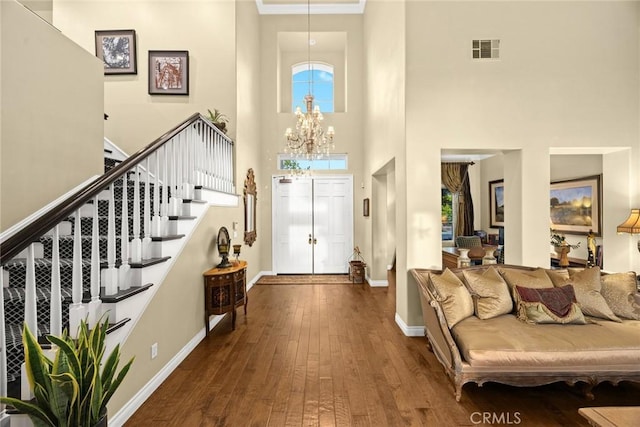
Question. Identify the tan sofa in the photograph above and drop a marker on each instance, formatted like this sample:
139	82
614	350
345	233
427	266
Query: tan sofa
507	350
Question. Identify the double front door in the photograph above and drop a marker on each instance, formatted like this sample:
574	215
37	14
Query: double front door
312	225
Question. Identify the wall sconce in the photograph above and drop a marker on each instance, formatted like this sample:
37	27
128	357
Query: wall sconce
632	224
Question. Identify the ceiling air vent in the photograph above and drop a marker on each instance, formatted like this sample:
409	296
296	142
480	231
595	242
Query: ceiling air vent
485	49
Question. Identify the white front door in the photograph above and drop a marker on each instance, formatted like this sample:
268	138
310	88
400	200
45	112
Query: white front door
313	225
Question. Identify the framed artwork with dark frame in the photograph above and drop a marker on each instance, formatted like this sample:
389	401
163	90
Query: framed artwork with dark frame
575	207
117	50
168	72
365	207
496	203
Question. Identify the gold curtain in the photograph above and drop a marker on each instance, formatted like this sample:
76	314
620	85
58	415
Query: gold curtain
455	177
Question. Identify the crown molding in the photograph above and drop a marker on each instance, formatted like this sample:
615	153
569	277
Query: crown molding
315	9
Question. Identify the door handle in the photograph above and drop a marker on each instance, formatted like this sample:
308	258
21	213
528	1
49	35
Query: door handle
315	241
310	240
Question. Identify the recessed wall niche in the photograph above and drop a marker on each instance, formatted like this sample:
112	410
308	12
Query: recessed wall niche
327	47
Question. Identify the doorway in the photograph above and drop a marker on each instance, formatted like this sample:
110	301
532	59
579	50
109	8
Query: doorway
312	224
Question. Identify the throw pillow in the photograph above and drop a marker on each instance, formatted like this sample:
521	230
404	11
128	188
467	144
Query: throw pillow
453	296
619	291
489	291
587	286
559	277
548	305
526	278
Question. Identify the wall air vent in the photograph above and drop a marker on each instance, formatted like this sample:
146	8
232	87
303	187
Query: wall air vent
485	49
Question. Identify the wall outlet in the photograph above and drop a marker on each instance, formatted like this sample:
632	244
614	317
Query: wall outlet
154	350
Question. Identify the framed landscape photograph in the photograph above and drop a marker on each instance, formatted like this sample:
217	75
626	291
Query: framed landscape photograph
117	50
496	203
575	206
168	72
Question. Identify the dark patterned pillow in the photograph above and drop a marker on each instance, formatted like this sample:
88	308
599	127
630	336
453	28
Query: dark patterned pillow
548	305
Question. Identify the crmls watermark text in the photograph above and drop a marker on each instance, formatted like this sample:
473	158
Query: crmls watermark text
506	418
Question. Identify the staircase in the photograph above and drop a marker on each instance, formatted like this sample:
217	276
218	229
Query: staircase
73	264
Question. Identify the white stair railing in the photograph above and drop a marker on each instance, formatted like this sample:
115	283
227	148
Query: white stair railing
194	154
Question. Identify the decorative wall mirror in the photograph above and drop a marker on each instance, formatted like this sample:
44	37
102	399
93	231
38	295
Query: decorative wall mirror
250	198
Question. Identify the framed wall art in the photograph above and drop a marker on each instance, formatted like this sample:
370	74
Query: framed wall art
117	49
575	206
496	203
168	72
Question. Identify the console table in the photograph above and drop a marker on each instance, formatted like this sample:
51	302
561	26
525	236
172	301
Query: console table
450	256
224	290
611	416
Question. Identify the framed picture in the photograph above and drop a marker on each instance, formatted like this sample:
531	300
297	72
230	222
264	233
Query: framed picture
117	49
575	206
365	207
496	203
168	72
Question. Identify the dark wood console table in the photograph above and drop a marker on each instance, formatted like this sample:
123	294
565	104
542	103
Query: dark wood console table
224	290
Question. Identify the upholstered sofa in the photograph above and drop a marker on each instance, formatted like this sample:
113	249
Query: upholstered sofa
483	337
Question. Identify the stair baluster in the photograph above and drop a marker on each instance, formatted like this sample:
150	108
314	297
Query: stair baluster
173	179
55	322
110	274
136	243
146	241
95	305
156	223
3	346
123	271
164	205
30	303
77	311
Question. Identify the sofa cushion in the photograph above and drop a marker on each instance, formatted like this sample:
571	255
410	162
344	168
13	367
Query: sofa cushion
453	296
619	291
587	286
505	343
537	278
489	291
548	305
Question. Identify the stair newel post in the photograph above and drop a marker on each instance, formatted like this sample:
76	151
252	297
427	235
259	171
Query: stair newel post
3	349
123	271
77	311
55	321
110	274
95	305
136	243
146	241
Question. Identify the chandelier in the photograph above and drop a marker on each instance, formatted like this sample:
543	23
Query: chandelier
309	138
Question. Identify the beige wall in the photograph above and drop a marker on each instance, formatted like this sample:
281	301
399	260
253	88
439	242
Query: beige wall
547	91
206	29
51	114
348	125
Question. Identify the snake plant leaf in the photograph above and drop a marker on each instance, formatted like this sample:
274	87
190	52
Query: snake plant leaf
37	369
110	365
33	411
96	399
116	383
70	353
42	399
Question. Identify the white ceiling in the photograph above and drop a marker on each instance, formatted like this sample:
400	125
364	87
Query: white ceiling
318	7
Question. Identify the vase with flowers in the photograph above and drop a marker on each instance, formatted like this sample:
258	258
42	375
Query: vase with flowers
562	247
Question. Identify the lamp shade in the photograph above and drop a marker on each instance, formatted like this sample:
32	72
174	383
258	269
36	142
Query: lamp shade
632	224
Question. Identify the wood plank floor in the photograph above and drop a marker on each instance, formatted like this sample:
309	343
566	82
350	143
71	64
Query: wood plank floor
332	355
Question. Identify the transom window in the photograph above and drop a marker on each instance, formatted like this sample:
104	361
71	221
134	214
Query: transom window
326	162
301	78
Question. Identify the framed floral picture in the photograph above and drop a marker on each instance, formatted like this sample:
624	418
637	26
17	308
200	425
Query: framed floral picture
496	203
574	206
117	49
168	72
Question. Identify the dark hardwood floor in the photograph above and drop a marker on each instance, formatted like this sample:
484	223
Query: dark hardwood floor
324	355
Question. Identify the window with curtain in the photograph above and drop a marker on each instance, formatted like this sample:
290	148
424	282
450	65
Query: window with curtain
447	210
455	178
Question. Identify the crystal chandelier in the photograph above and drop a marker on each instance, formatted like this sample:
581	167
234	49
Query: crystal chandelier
309	138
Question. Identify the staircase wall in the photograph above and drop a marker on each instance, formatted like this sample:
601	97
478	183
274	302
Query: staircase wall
176	314
51	113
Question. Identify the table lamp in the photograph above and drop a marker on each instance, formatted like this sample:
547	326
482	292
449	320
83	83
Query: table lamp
632	224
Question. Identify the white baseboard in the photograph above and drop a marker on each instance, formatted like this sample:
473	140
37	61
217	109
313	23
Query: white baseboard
409	331
377	283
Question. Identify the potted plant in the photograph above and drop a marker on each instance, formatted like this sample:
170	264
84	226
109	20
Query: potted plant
219	120
70	390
